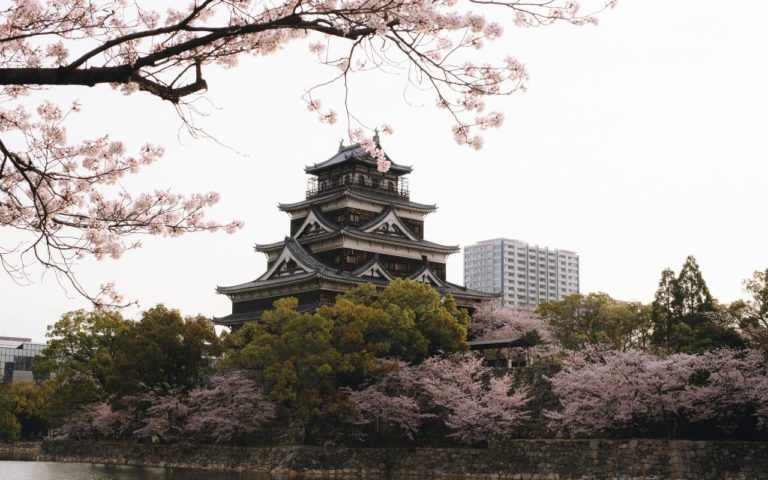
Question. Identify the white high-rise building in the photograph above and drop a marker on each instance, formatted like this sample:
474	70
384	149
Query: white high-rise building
524	275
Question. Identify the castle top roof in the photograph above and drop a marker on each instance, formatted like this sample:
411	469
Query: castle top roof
354	153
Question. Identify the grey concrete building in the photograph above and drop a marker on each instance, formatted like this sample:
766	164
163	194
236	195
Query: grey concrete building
524	274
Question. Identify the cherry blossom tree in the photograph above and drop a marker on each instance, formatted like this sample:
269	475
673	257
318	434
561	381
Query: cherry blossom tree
164	417
227	409
94	420
456	390
475	405
736	388
68	199
66	194
391	403
610	392
491	322
79	425
622	391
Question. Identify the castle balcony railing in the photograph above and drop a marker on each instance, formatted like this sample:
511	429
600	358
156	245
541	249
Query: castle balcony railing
390	187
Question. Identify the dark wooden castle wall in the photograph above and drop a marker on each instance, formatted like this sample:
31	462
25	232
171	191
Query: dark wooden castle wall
313	298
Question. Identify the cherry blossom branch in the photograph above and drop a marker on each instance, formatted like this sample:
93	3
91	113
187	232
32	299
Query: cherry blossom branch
57	192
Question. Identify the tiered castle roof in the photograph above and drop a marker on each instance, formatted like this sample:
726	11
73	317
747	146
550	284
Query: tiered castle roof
356	226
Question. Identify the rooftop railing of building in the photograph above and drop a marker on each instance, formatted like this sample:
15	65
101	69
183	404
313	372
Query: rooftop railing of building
389	187
13	342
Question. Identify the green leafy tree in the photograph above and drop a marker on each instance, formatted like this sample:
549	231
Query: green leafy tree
663	314
580	320
753	315
84	344
26	401
164	352
304	360
628	324
79	359
440	321
10	428
101	356
293	355
363	332
66	395
715	332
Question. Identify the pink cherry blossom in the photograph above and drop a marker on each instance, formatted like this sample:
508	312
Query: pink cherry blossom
493	322
603	391
391	402
473	409
59	193
53	187
227	409
457	390
95	420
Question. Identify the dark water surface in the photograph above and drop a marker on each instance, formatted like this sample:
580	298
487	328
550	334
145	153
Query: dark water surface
25	470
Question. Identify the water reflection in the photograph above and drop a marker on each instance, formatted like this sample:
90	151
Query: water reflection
17	454
21	470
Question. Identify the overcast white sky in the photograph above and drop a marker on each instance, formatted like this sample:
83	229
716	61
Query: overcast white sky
638	143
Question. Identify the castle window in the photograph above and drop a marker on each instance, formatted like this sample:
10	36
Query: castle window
396	267
354	258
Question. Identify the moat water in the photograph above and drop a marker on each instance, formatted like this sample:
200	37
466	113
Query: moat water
24	470
31	470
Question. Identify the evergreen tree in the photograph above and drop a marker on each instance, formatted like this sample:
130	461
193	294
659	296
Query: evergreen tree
691	295
686	317
662	310
694	309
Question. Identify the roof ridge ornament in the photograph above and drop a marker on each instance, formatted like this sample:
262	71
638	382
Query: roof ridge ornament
376	139
341	145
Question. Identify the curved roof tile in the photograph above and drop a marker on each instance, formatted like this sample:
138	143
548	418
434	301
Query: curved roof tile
360	194
351	153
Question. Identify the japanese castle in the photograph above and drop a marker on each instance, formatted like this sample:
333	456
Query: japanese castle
357	225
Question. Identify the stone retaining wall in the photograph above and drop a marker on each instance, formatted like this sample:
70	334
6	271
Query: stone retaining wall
19	450
514	460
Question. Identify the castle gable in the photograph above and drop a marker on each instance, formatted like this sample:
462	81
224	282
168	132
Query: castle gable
388	223
315	224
